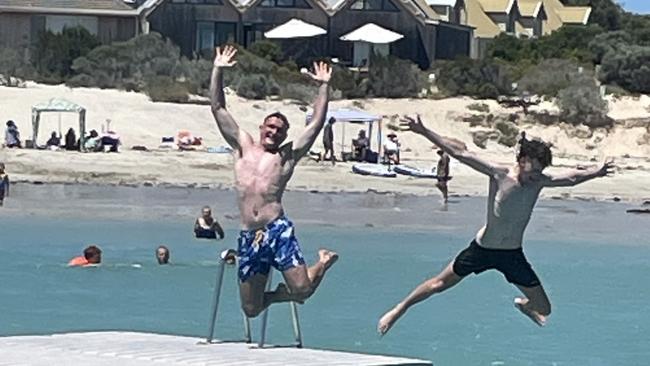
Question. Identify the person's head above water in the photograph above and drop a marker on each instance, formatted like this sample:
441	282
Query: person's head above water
93	254
162	255
273	131
206	212
534	156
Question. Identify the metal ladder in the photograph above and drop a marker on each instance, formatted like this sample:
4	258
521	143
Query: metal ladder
247	324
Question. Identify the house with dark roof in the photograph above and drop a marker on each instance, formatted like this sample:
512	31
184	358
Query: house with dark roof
426	37
21	21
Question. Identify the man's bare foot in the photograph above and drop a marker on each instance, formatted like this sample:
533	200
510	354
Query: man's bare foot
386	322
327	257
539	319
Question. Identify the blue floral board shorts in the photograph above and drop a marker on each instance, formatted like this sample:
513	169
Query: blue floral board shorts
274	245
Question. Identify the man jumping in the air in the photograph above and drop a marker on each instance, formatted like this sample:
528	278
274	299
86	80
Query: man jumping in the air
262	170
512	195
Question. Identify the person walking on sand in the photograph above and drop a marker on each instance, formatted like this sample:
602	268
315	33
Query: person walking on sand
442	174
512	195
4	184
262	170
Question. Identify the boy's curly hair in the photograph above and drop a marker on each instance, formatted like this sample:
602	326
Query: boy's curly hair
535	149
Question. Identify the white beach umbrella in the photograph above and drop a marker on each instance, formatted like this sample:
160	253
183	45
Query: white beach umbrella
372	33
295	28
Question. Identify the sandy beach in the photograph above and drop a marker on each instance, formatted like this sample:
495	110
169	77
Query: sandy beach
141	122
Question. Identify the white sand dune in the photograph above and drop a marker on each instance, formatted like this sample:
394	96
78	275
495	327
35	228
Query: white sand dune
141	122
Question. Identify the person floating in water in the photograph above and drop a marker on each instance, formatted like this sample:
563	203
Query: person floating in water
512	195
262	170
162	255
4	184
206	227
92	257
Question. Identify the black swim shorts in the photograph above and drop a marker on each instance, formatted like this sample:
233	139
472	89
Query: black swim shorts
511	262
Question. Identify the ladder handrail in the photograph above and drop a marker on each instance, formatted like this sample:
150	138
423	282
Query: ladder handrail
247	326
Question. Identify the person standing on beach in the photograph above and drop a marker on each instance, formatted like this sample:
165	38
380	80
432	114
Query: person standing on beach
4	184
512	195
442	174
262	170
328	140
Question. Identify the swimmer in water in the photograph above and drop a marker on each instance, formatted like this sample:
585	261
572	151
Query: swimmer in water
92	257
262	170
513	192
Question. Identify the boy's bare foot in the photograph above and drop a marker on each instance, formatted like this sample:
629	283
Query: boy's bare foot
327	257
521	304
386	322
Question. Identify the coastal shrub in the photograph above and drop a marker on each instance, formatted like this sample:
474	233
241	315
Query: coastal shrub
581	103
268	50
628	68
391	77
53	54
257	86
300	92
13	66
165	89
608	42
550	76
350	83
481	79
479	107
508	133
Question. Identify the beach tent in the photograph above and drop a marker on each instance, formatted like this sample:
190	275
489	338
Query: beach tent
295	28
370	38
345	115
58	105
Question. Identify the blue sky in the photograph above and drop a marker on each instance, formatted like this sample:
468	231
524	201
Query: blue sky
637	6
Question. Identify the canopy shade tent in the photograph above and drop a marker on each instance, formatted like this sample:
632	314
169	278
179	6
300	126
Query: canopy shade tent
372	33
295	28
58	105
357	117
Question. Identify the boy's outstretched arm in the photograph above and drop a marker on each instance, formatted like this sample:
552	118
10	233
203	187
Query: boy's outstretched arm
455	148
575	177
322	73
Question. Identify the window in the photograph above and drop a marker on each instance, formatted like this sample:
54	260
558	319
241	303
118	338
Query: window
213	2
56	23
376	5
211	34
285	4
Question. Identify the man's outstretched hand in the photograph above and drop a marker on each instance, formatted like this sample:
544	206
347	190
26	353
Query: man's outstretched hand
322	72
225	57
607	169
414	125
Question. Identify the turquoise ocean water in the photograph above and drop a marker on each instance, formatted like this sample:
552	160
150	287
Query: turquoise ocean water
597	278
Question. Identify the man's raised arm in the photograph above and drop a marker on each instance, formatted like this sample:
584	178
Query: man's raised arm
455	148
227	125
575	177
322	73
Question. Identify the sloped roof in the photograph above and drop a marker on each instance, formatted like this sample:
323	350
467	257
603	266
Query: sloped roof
574	14
418	8
554	9
58	105
497	6
530	8
72	5
244	5
476	17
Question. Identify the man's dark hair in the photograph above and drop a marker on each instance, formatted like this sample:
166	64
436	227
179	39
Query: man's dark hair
280	116
535	149
166	258
92	251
